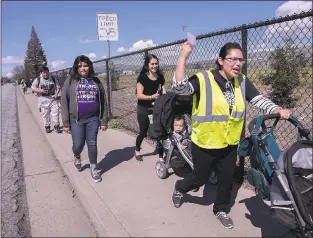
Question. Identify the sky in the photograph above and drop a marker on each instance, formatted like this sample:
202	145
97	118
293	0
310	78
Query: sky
67	29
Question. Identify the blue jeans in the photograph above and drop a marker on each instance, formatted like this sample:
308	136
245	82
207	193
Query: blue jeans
85	130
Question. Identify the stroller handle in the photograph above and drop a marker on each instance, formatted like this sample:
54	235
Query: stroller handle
292	119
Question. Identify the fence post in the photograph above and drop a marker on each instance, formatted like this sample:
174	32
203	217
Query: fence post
109	87
244	45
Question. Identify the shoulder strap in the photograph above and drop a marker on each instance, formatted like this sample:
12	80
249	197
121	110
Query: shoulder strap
38	79
53	78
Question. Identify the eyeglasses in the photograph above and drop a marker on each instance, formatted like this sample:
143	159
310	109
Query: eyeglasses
235	60
154	64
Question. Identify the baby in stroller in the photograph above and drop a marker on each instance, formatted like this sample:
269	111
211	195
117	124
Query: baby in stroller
176	141
177	147
178	163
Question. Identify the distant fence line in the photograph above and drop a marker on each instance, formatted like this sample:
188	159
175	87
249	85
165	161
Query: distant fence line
258	40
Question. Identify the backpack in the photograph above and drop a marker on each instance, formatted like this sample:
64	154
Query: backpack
163	114
38	79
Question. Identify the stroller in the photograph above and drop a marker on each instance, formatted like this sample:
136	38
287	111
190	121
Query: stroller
169	145
283	179
172	146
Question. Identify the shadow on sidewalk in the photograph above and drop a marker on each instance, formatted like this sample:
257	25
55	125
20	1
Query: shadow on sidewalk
209	194
260	217
115	157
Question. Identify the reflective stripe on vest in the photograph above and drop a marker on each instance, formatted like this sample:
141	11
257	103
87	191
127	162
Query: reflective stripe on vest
221	118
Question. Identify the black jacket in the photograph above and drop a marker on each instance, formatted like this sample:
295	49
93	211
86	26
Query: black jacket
163	115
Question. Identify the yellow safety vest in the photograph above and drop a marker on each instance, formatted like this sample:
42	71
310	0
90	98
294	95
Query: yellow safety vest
213	127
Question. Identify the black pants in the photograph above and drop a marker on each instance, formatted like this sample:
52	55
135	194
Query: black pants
182	171
204	159
143	121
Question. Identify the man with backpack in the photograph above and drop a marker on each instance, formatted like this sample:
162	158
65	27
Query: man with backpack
47	88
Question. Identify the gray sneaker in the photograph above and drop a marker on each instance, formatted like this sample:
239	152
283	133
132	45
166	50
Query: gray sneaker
77	163
226	221
177	197
95	175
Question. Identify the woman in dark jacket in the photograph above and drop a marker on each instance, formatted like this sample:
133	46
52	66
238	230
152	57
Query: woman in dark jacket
84	111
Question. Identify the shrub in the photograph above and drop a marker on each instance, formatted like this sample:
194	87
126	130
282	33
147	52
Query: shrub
286	62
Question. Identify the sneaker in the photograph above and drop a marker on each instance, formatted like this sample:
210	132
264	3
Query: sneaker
177	197
95	175
226	221
138	157
57	129
77	163
48	130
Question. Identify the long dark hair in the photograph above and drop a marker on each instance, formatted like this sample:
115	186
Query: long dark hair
225	50
74	70
145	67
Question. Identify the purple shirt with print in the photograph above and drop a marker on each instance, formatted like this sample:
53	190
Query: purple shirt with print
87	98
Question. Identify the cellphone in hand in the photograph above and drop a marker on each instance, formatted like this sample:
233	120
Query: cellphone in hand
191	39
160	91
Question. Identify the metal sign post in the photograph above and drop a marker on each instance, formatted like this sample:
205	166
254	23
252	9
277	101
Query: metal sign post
107	28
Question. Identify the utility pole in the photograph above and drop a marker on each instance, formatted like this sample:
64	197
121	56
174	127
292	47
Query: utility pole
184	28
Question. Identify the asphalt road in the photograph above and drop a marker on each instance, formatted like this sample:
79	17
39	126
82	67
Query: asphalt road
14	212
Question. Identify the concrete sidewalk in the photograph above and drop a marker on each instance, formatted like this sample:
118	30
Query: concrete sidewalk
52	209
132	201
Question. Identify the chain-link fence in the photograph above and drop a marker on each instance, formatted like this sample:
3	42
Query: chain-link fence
278	51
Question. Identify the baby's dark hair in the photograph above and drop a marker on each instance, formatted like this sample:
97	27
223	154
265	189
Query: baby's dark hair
179	117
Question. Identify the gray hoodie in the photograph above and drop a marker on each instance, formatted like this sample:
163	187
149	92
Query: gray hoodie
69	102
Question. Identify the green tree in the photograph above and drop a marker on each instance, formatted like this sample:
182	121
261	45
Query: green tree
35	56
286	63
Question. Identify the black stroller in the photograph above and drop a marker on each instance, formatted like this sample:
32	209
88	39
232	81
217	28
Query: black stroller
282	179
171	145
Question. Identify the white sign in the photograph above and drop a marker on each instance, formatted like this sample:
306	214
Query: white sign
107	26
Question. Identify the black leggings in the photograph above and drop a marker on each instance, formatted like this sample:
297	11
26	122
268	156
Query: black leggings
143	121
204	159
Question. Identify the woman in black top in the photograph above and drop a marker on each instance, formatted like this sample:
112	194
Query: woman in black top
150	85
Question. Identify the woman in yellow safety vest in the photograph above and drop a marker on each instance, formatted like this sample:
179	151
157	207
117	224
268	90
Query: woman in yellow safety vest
217	121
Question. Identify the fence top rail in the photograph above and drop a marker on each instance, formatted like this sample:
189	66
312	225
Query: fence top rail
216	33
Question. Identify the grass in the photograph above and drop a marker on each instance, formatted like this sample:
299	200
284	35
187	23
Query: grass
254	74
115	124
124	100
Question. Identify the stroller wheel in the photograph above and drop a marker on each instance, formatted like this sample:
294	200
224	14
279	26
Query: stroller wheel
213	178
161	170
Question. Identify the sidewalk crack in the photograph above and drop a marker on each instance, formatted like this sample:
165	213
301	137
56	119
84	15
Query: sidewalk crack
49	172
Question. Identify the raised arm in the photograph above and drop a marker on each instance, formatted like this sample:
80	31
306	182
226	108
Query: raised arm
181	64
181	84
